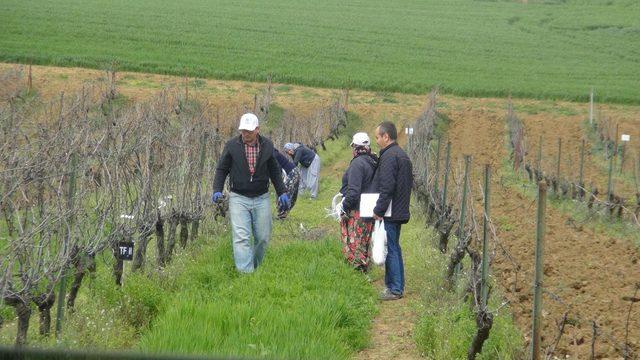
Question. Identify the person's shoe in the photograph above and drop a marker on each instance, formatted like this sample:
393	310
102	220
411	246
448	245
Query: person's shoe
387	295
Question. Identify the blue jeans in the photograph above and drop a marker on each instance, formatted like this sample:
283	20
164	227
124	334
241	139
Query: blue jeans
393	265
249	216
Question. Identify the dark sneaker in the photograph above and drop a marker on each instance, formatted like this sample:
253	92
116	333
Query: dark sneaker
388	295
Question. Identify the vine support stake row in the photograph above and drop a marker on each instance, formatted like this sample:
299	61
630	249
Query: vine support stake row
559	159
539	155
591	107
463	207
581	180
437	174
610	180
537	282
447	166
485	238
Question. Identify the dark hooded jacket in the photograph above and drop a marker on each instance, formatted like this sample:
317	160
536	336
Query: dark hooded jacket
303	155
394	180
233	162
358	179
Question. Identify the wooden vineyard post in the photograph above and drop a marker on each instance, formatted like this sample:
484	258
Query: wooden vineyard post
447	166
524	154
635	176
65	247
591	108
463	206
255	103
559	158
558	166
581	179
537	282
615	145
485	238
622	154
610	181
539	155
186	87
29	80
346	100
195	225
437	171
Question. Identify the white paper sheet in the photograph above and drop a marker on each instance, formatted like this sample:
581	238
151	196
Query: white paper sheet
368	202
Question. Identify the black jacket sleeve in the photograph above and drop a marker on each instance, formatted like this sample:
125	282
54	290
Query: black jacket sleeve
297	155
354	188
222	169
387	170
275	173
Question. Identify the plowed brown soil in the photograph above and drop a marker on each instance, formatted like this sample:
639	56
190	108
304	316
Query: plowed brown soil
587	274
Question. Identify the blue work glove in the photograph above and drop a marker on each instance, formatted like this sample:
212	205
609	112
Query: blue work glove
284	202
217	196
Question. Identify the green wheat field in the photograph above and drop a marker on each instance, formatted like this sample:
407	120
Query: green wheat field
555	49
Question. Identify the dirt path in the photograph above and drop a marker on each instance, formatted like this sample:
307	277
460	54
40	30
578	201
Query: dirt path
392	330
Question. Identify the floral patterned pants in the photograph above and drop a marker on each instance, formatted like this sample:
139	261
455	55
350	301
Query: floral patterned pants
356	237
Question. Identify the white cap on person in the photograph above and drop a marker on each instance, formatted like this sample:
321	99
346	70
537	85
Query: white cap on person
248	122
360	139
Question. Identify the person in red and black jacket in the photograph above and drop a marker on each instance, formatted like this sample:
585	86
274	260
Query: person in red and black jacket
357	179
249	162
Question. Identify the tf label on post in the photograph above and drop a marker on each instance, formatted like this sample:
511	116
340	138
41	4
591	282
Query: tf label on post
125	250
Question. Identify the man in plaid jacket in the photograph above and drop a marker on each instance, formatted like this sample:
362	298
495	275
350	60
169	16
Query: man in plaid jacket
249	163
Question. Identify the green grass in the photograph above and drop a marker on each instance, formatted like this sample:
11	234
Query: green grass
447	325
543	49
302	303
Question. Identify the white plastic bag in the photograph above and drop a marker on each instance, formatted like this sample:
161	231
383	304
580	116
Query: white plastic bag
336	207
379	243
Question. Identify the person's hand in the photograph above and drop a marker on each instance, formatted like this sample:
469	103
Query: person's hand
284	201
217	196
376	217
344	214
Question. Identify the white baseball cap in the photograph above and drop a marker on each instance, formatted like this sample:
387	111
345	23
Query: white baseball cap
249	122
360	139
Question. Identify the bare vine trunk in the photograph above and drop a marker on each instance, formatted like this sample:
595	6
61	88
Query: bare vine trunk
141	249
171	237
118	266
484	322
160	251
195	227
23	311
45	303
83	264
456	257
184	231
